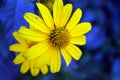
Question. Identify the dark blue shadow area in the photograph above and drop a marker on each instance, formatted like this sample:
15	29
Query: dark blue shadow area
101	54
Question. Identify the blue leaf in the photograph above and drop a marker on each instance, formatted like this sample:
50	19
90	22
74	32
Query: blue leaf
11	18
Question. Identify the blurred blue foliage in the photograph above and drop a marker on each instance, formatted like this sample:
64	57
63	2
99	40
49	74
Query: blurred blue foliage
101	54
116	70
11	18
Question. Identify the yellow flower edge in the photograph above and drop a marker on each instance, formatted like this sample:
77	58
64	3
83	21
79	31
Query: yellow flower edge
21	47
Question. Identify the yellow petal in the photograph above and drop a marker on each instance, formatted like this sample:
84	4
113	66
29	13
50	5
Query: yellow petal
17	48
31	27
25	67
57	12
37	50
81	29
74	51
45	58
19	59
33	35
80	40
46	15
23	27
67	10
36	22
55	61
74	19
44	70
34	71
19	38
67	57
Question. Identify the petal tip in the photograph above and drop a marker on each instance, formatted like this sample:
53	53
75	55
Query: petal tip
89	25
38	4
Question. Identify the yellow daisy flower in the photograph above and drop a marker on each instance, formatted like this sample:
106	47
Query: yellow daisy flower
55	35
22	47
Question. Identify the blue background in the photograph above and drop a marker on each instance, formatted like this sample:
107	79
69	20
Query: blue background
101	54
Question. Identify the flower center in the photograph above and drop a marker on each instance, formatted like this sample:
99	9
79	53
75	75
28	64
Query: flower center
59	37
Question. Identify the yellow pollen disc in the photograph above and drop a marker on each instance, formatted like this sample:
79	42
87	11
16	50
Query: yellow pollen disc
59	37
